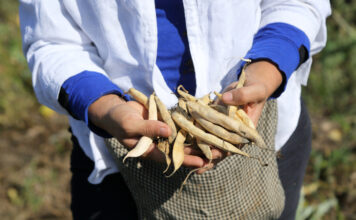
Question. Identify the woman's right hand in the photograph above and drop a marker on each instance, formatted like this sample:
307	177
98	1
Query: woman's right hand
127	121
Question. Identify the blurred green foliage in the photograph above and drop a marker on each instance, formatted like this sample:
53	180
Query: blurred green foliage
331	91
330	95
17	99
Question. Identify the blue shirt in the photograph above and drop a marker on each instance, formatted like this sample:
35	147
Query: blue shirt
173	55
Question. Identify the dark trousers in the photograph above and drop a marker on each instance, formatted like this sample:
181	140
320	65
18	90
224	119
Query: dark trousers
294	156
112	199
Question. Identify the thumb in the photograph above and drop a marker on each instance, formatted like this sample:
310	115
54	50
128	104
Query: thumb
152	128
248	94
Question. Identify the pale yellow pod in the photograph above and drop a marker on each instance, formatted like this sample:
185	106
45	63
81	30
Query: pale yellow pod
242	79
206	99
141	147
219	131
220	108
225	121
164	147
138	96
219	95
178	151
232	109
206	137
152	108
204	147
182	104
187	97
184	93
166	116
245	119
144	143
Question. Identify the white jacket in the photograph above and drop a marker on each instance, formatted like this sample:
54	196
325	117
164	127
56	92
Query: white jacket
118	38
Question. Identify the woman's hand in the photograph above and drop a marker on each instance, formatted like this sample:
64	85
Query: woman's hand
262	80
127	121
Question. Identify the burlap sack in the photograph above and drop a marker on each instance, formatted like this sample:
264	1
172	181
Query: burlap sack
237	188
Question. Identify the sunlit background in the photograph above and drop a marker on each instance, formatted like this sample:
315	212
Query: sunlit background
35	144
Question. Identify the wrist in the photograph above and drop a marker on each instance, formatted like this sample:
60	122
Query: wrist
99	109
266	73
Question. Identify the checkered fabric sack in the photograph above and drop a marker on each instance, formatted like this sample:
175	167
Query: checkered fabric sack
237	188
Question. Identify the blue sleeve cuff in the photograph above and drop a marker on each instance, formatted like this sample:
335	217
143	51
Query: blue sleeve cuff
80	91
283	45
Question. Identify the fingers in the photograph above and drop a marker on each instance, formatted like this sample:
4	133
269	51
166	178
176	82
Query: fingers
254	111
152	128
217	154
129	142
154	154
139	108
190	150
230	87
262	79
194	158
207	167
149	128
193	161
248	94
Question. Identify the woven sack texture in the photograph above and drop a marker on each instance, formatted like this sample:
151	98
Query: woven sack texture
237	188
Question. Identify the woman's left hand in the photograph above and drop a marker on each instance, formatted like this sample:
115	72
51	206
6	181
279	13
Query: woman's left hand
262	80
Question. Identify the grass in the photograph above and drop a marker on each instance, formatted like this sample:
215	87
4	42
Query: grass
330	96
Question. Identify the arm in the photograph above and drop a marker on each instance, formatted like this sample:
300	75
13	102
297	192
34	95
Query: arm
277	53
56	49
66	68
60	55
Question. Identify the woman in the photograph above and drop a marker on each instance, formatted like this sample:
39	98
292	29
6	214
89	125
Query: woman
83	55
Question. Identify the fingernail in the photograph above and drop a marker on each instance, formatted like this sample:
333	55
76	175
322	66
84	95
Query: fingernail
210	166
227	96
163	132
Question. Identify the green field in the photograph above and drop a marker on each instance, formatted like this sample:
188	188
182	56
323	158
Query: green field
35	145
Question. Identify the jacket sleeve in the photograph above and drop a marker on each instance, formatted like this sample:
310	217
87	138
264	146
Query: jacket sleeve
307	15
55	48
